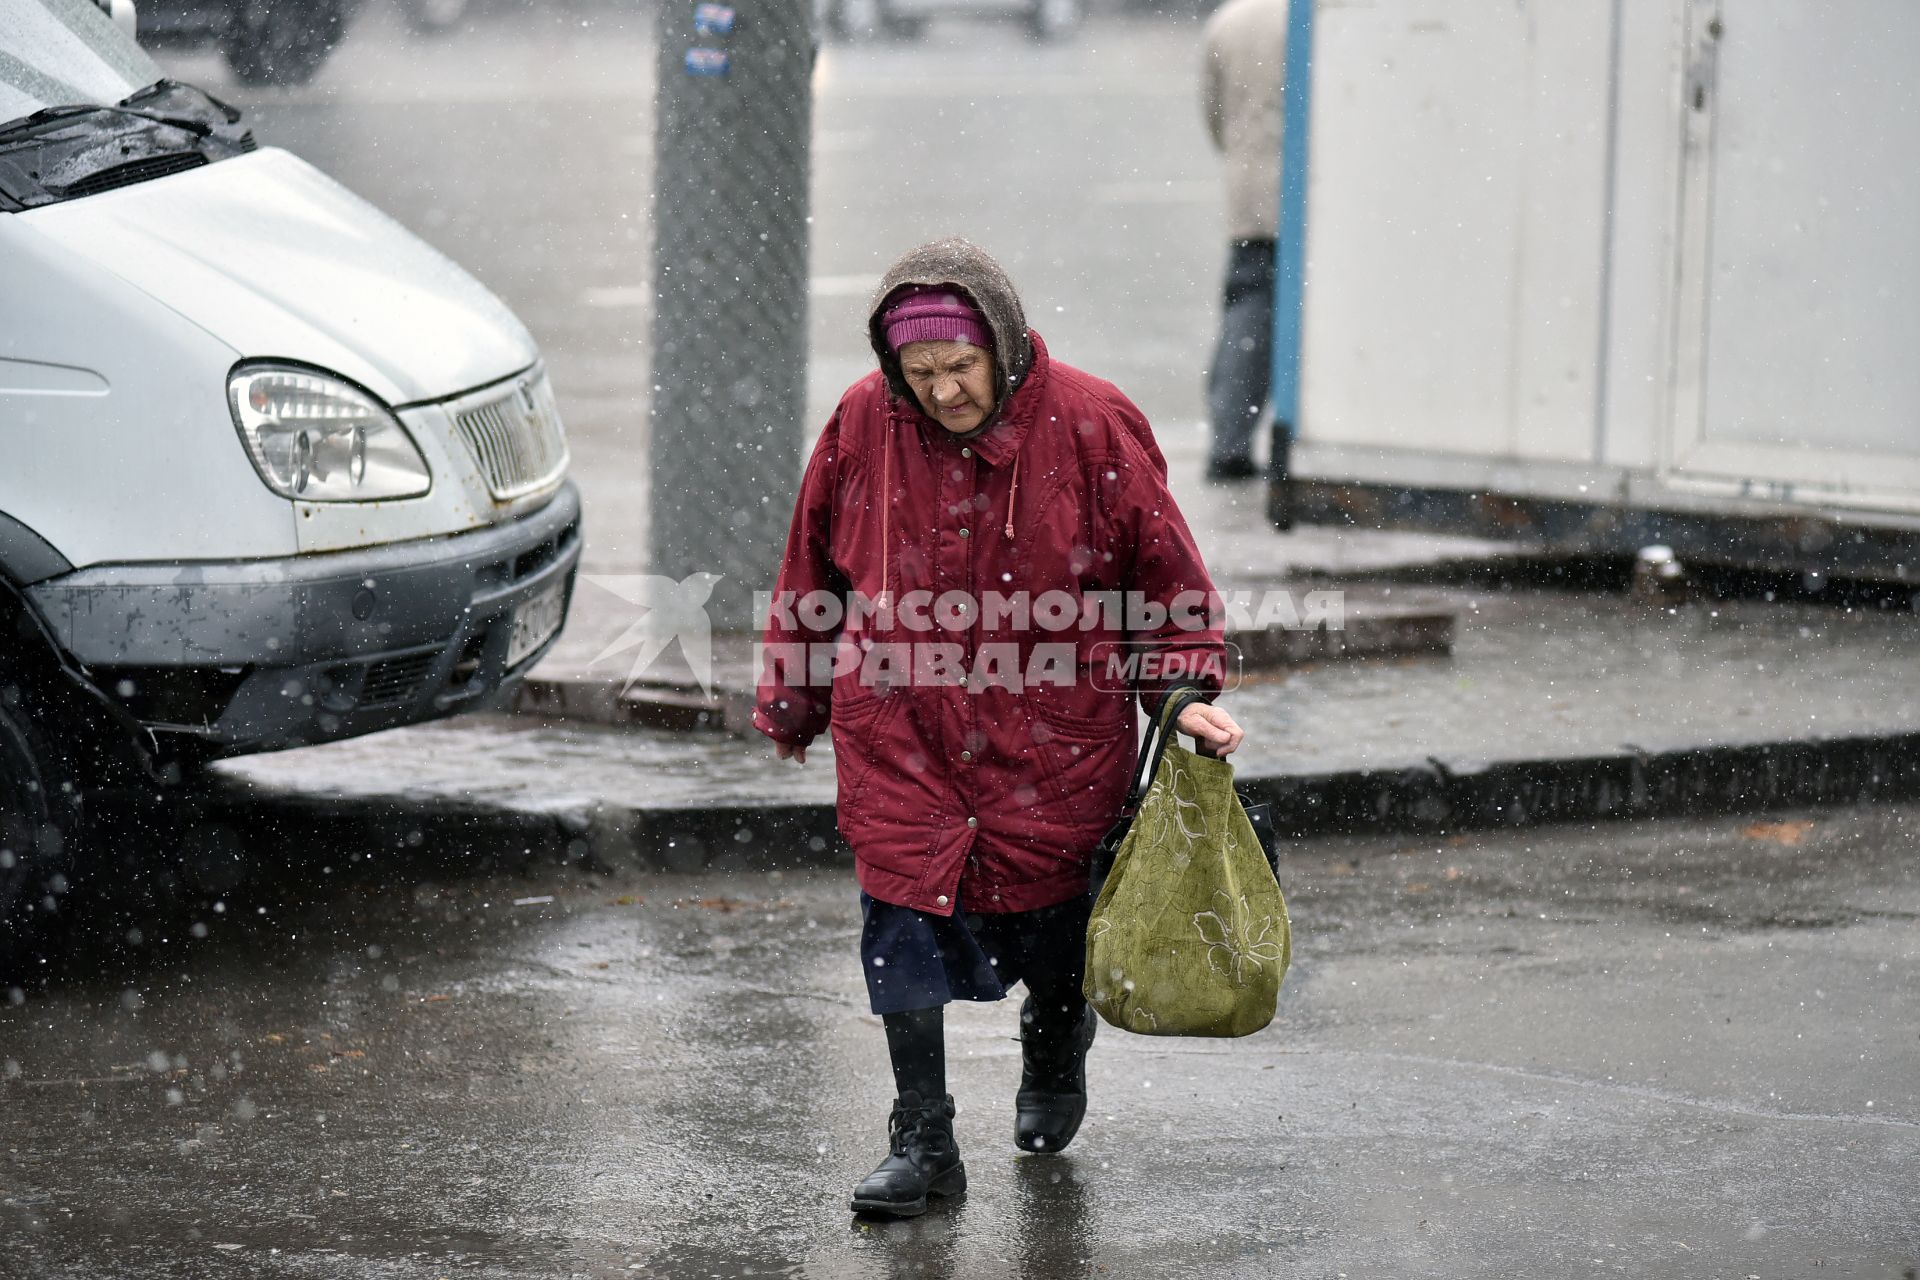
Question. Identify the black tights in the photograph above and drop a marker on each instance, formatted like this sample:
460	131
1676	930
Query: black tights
1047	951
1054	1004
917	1041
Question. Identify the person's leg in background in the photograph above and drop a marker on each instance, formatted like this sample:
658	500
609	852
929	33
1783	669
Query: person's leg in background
1242	373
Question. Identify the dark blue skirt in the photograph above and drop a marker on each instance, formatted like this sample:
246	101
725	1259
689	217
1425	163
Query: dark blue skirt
915	960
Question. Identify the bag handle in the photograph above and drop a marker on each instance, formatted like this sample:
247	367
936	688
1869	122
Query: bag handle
1159	734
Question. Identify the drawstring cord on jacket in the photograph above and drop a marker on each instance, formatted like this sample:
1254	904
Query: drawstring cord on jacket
886	513
1012	495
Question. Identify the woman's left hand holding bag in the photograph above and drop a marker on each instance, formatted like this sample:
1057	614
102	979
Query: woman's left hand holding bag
1213	731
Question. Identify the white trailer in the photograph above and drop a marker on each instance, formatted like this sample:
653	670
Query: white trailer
1598	273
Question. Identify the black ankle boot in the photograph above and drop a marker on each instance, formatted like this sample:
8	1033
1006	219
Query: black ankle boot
1053	1079
923	1161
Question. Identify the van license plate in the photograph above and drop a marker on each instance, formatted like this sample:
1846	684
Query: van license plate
534	622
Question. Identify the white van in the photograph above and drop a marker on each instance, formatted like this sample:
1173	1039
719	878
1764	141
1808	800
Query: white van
272	470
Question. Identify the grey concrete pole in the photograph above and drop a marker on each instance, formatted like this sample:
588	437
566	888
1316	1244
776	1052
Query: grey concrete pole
732	127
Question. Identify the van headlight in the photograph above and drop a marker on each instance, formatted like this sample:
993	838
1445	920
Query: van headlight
319	438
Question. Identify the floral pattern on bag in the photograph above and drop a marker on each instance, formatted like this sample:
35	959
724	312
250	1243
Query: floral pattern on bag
1172	805
1235	939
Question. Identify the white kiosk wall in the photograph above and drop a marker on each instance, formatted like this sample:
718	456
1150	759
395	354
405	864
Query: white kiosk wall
1660	250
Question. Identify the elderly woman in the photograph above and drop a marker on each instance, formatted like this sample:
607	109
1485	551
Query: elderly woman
984	569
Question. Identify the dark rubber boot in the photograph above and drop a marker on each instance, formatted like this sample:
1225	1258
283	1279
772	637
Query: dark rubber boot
1053	1080
923	1161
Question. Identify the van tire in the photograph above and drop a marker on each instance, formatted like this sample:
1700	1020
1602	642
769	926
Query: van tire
274	42
40	820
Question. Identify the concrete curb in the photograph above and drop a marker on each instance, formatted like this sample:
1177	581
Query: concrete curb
1438	796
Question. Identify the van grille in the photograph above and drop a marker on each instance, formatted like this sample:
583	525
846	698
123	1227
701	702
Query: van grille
394	680
516	438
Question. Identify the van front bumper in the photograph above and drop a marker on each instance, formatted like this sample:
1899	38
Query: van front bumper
221	658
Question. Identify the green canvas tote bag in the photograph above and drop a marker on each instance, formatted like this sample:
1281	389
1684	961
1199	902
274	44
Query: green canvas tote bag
1189	935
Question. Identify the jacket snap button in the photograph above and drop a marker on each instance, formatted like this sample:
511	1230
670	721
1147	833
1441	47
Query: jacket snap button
966	533
973	822
966	755
966	452
941	900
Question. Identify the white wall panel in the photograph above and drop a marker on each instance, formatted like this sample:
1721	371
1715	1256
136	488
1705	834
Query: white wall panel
1562	229
1641	266
1413	209
1813	323
1456	227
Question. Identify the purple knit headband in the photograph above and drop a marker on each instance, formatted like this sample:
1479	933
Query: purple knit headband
933	313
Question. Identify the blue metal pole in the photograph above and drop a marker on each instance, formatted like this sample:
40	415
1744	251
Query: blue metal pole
1290	254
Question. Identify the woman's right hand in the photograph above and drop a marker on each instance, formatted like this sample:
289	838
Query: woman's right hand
787	751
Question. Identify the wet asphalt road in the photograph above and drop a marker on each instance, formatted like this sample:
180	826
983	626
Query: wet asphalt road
1661	1049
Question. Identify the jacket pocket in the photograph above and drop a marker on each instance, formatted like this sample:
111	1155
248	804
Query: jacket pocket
1112	717
860	726
1084	763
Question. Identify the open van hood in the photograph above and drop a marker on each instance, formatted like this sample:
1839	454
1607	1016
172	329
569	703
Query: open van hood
277	260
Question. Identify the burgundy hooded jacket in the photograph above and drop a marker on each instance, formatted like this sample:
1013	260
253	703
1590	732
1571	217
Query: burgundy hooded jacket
982	747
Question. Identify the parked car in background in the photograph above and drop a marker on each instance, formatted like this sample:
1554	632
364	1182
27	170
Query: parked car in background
278	42
860	20
427	16
272	470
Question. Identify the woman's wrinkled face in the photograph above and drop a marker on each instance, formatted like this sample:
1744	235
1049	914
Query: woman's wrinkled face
953	381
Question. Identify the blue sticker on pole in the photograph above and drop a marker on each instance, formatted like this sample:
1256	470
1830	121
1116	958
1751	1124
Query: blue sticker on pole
708	62
713	19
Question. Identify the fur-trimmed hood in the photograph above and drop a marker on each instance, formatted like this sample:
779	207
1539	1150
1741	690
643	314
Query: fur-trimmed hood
973	271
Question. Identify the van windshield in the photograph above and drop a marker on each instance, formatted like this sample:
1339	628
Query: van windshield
83	111
56	53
